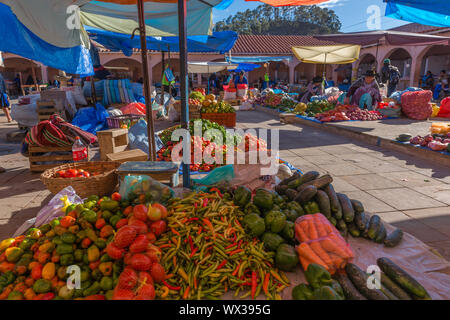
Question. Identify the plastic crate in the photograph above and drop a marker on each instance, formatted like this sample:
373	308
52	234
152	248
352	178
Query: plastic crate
115	122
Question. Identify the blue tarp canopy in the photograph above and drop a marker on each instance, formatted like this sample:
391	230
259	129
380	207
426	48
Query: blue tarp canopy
256	59
220	42
246	67
427	12
18	39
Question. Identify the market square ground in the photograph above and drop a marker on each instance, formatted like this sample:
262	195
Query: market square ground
409	193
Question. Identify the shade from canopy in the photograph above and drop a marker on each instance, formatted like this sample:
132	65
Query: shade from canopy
220	42
394	38
256	59
335	54
210	67
427	12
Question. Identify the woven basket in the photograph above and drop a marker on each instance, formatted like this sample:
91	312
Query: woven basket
224	119
116	122
192	108
101	185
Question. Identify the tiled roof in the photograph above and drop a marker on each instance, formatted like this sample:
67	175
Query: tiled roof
272	44
417	28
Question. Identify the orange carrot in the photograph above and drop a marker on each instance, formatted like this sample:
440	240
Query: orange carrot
317	248
330	246
320	226
300	233
305	251
305	262
338	261
312	229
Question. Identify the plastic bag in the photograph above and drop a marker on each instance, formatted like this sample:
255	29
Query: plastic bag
228	95
114	112
173	114
134	108
321	243
137	136
247	105
444	110
216	176
131	187
416	105
52	210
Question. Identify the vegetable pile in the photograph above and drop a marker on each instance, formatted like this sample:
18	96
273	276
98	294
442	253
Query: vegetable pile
75	173
210	105
348	112
316	194
436	142
206	252
35	266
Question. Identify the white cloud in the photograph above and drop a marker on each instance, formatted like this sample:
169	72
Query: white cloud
332	4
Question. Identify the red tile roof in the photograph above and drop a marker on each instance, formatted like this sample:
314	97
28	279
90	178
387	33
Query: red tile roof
273	44
417	28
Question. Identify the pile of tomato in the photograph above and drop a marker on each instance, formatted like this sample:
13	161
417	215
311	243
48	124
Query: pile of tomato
75	173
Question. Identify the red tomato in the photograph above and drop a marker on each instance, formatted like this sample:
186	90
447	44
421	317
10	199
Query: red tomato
86	174
158	227
157	272
116	196
161	208
151	237
140	212
61	174
72	172
80	175
154	214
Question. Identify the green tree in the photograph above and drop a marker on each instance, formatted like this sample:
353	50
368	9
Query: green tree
298	20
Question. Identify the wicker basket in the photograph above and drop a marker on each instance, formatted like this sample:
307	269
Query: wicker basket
192	108
118	121
224	119
101	185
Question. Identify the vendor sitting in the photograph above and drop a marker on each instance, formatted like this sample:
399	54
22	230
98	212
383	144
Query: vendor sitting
315	88
364	92
241	79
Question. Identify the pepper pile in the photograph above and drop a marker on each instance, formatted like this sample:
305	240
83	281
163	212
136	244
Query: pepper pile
206	252
34	266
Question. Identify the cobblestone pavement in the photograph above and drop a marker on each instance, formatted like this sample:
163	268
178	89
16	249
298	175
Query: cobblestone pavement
409	193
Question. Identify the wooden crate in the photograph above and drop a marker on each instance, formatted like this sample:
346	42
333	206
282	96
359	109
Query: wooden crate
45	109
58	160
112	141
224	119
130	155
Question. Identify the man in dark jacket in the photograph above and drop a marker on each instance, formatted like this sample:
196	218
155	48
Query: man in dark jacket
390	75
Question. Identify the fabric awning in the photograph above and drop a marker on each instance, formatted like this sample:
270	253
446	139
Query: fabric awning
210	67
220	42
283	3
427	12
257	59
335	54
394	38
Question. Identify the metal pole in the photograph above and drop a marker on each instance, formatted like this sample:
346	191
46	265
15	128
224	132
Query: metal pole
149	115
182	33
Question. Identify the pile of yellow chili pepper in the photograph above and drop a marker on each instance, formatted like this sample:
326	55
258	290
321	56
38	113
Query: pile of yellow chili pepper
206	252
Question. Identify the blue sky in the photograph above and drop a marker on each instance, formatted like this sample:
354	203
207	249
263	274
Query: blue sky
352	13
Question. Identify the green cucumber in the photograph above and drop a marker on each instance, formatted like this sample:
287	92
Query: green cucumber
394	288
351	293
306	195
319	183
353	230
357	206
359	280
324	203
335	206
381	235
308	176
341	225
291	194
347	208
403	279
296	175
333	221
374	226
393	238
360	220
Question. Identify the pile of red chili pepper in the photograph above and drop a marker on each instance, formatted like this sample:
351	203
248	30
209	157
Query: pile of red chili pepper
207	253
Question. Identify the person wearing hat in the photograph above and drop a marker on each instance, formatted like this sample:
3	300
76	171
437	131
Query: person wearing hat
364	92
315	88
390	75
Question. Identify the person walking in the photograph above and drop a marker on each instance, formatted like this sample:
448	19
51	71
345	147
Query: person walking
4	98
390	75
